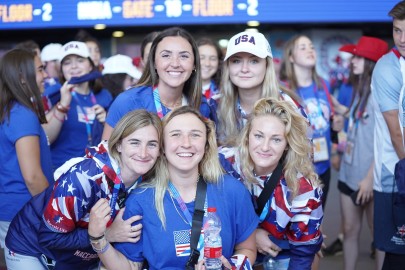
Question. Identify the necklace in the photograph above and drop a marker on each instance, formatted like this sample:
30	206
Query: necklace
175	207
178	102
183	207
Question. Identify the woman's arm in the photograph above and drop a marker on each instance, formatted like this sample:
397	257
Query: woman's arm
248	248
111	258
304	234
29	160
56	116
264	244
107	132
366	187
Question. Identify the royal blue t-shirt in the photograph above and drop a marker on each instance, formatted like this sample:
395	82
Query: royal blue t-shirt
13	190
140	98
170	248
318	110
73	136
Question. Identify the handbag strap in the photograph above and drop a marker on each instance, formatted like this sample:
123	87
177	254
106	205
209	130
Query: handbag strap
197	222
269	188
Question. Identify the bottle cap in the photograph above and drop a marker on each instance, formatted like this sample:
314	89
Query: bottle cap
211	209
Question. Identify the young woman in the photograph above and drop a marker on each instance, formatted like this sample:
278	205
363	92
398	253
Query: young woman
51	230
299	73
274	138
356	169
248	74
25	160
211	62
93	45
146	44
172	78
167	202
119	74
77	117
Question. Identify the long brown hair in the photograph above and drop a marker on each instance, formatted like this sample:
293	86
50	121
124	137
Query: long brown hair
287	72
193	86
362	86
18	84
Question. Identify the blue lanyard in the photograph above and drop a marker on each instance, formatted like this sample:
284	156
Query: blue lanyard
86	118
158	103
181	203
118	186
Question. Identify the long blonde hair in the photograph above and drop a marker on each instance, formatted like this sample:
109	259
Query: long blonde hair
209	168
296	158
228	114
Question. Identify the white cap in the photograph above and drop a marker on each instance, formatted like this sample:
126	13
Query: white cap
51	52
250	42
120	64
74	47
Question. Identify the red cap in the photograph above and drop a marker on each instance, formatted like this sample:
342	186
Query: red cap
211	209
368	47
348	48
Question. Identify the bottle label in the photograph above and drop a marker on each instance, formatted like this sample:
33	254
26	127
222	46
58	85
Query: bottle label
212	252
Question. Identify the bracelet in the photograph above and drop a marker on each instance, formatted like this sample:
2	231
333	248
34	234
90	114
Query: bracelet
92	238
101	250
62	108
54	115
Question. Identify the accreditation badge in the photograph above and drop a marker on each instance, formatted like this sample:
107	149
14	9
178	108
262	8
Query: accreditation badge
348	156
320	147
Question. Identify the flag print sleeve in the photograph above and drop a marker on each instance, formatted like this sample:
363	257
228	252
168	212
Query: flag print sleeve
68	207
297	221
64	208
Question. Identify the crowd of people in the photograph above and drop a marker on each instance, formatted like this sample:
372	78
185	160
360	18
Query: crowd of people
104	163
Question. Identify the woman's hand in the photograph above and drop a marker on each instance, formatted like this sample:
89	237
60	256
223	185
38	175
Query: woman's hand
365	191
99	217
65	94
225	263
264	244
338	122
100	113
123	231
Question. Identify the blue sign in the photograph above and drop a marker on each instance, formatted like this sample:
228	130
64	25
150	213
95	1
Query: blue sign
26	14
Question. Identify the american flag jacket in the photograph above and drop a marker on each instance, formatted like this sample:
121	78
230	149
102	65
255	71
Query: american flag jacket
293	224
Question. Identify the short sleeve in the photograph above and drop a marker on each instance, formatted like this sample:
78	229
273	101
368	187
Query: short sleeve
132	251
386	82
125	102
30	127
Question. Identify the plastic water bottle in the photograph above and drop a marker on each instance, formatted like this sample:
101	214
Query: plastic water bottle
269	263
212	240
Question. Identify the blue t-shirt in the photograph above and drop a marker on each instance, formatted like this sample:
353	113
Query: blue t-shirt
73	137
318	110
140	98
170	248
13	190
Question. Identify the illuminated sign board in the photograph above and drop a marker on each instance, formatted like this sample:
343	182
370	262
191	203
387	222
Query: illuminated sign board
26	14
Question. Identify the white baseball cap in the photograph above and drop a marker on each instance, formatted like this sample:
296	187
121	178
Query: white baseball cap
121	64
250	42
51	52
74	47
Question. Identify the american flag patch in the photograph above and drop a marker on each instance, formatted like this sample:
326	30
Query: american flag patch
182	242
